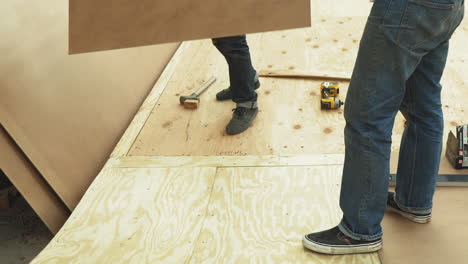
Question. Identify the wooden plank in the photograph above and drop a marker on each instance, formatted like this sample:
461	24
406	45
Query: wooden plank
135	216
150	102
112	24
67	112
225	161
260	215
31	185
302	75
193	161
441	241
312	160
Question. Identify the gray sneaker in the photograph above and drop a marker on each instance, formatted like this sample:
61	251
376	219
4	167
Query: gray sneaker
242	118
226	94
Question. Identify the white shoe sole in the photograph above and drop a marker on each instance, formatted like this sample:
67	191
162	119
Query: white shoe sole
337	250
411	217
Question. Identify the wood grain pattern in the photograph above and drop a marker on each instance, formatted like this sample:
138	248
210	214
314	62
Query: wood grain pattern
441	241
135	216
259	215
225	161
112	24
31	185
194	161
339	8
148	105
290	119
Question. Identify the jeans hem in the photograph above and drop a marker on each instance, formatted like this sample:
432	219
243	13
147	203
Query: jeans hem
248	104
413	210
345	230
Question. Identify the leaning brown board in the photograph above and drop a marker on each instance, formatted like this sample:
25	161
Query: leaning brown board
113	24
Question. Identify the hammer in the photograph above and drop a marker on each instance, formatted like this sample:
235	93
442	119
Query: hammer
193	100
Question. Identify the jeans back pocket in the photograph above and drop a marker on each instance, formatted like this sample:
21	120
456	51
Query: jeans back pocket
424	21
441	4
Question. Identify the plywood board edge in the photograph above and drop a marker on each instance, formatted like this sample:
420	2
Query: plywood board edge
39	195
225	161
138	122
20	138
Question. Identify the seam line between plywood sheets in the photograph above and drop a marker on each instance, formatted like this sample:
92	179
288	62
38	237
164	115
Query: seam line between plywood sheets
226	161
131	133
195	242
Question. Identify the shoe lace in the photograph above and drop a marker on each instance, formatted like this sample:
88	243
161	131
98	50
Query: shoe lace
239	111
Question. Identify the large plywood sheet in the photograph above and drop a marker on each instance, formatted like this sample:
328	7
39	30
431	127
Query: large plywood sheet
259	215
290	120
112	24
67	112
202	215
135	216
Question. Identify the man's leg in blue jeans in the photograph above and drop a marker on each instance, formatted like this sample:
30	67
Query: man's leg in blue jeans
403	43
421	144
243	82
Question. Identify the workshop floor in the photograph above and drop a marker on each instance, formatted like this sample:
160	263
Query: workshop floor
22	233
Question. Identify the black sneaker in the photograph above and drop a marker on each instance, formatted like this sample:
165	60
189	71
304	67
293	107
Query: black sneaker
334	242
226	94
392	206
242	118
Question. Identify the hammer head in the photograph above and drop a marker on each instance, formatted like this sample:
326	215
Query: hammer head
190	101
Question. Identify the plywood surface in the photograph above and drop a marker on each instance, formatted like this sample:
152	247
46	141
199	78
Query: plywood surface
290	120
201	215
225	161
259	215
135	216
111	24
31	185
67	112
287	107
441	241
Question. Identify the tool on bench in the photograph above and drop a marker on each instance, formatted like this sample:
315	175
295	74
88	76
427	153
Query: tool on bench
330	92
457	147
193	100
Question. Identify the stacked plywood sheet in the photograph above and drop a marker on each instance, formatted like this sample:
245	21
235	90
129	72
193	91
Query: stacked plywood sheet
63	114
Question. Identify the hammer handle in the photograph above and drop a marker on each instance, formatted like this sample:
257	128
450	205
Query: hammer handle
205	86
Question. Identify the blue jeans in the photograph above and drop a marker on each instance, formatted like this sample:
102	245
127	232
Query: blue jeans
400	62
241	72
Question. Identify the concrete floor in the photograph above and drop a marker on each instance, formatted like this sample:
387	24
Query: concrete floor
22	233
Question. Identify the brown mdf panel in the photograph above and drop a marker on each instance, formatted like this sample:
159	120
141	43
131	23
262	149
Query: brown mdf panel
113	24
31	185
67	112
441	241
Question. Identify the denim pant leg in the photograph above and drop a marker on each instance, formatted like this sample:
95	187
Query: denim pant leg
421	145
241	72
373	100
422	141
403	43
